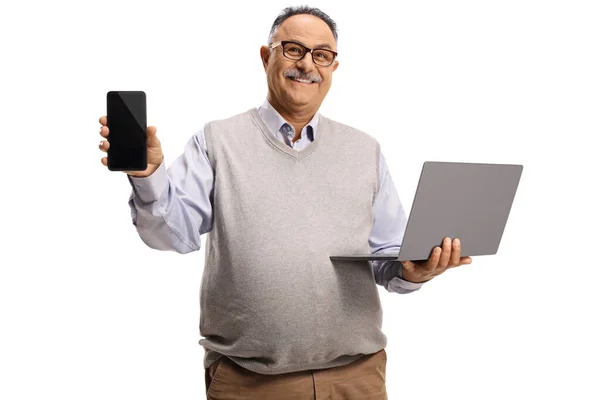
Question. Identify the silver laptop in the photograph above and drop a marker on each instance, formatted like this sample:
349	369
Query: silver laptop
466	200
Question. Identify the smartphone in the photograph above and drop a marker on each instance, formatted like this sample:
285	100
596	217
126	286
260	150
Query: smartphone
126	122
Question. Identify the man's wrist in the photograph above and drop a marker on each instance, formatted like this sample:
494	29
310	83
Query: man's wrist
150	188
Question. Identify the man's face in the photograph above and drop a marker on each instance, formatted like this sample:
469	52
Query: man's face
313	33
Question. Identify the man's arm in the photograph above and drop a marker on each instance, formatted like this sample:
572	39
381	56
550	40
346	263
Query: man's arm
389	224
172	209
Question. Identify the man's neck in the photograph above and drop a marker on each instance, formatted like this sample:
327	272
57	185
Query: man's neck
298	117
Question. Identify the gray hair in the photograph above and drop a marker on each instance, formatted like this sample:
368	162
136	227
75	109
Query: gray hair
291	11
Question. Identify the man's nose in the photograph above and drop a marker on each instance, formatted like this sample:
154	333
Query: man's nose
306	63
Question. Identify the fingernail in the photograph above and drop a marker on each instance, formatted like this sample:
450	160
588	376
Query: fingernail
437	250
101	143
456	241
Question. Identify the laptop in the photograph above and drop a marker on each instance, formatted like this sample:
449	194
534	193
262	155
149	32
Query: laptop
470	201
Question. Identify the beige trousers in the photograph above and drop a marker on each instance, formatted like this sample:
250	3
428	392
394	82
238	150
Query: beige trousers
363	379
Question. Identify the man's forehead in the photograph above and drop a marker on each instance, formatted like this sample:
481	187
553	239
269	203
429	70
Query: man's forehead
306	29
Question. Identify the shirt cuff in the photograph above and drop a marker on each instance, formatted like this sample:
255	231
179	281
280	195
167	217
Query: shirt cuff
399	283
149	189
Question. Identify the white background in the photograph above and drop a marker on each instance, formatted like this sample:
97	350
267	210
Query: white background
89	312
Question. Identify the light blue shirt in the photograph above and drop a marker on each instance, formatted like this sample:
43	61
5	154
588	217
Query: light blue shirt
171	209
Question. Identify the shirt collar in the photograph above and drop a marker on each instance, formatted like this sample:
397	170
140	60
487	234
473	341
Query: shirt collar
276	123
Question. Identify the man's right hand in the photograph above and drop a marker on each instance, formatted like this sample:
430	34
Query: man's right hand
155	154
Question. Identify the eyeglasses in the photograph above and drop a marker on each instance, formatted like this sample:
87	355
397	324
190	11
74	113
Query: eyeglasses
296	51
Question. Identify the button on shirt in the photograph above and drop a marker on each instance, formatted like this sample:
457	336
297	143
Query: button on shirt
163	227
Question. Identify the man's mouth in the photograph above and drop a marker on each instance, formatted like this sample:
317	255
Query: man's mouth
307	81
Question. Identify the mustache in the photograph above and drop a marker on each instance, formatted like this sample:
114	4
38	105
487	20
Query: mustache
297	74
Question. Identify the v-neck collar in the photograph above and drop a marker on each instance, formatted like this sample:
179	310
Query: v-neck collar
278	126
294	154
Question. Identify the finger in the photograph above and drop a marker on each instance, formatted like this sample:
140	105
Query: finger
439	271
446	251
463	261
433	260
466	260
102	120
455	256
104	161
104	131
104	145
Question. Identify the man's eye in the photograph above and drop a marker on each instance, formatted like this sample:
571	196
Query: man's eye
294	50
323	55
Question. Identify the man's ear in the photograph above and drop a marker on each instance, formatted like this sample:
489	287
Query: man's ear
335	65
265	52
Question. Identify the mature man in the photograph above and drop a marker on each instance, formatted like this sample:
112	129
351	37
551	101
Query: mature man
280	188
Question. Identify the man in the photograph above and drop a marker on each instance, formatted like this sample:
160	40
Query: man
279	189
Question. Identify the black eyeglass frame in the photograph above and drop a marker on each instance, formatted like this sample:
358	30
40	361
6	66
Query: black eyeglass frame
306	50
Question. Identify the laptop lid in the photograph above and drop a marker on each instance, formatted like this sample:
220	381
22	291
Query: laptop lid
471	201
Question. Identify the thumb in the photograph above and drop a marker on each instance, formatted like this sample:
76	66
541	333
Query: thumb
408	265
150	131
151	135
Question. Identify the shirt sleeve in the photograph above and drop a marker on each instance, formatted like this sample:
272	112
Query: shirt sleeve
389	225
172	208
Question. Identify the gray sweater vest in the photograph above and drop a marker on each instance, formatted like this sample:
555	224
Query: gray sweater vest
271	299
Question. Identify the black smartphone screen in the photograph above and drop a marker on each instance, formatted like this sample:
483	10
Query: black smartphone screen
126	122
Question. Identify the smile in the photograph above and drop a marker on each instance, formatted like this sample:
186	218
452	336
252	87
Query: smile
304	81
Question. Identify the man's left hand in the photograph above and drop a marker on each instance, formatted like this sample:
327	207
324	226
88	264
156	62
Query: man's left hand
442	258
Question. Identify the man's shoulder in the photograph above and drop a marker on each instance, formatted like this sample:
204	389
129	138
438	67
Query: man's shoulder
347	130
229	126
242	116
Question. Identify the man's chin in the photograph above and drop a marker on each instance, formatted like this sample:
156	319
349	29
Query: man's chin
304	94
299	99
